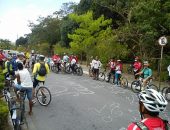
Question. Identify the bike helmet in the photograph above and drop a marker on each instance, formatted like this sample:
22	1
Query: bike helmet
152	100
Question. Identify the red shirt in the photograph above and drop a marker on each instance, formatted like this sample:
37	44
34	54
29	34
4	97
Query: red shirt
137	65
151	123
56	58
2	56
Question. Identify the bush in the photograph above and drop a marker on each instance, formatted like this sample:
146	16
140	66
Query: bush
3	115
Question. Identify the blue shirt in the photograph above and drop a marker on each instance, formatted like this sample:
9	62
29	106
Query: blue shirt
147	72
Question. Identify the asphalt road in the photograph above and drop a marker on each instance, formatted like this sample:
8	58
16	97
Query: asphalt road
80	103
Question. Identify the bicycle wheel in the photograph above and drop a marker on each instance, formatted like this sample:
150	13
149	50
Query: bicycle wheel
167	94
101	76
43	96
68	70
79	71
123	82
136	86
152	86
163	91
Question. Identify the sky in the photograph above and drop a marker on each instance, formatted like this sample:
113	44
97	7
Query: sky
15	14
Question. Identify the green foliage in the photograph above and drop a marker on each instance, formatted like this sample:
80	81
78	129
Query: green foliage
3	115
58	49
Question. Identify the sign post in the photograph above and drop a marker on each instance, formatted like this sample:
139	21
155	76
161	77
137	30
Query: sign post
162	42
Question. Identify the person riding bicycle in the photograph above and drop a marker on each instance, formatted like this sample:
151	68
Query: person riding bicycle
118	71
137	65
23	82
65	59
112	66
40	70
151	104
146	72
57	61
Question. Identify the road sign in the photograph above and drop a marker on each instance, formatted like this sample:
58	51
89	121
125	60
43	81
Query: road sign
163	41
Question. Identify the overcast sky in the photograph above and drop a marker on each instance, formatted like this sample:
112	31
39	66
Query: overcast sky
14	15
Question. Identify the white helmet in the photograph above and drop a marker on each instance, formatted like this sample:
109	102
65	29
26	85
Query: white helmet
152	100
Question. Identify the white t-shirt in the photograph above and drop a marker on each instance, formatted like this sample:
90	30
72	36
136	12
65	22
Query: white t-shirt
73	61
25	78
168	68
96	64
65	58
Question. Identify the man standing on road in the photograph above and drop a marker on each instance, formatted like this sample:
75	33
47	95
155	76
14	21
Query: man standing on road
96	65
40	70
112	66
151	103
23	82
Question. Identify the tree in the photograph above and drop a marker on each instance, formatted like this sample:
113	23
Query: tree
21	41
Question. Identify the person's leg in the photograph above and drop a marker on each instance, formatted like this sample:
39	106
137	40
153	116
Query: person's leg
97	74
35	83
29	96
116	78
94	77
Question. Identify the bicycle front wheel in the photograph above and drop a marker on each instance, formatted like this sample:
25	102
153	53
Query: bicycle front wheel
123	82
136	86
101	76
79	71
43	96
152	86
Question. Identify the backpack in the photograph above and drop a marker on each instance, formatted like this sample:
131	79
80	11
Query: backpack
42	70
142	126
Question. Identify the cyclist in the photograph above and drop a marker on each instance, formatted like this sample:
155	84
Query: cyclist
8	67
112	66
146	72
2	57
37	77
137	65
73	64
151	103
23	82
96	64
65	58
118	71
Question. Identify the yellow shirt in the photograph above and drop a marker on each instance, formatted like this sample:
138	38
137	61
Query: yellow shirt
36	68
27	55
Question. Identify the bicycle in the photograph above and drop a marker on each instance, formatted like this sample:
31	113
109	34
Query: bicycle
43	94
102	75
13	109
123	82
77	69
167	93
112	77
137	85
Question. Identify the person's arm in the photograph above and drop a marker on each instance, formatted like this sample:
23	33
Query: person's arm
47	68
18	79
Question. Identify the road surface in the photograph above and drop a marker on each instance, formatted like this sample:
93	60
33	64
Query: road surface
80	103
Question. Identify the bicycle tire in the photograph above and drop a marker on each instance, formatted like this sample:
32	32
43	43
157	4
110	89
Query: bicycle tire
101	76
68	70
41	97
136	86
152	86
79	71
163	91
123	82
167	94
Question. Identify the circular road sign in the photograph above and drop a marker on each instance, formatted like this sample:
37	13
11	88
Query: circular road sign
163	41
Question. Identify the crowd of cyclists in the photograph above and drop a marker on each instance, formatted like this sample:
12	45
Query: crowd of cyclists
116	68
151	102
